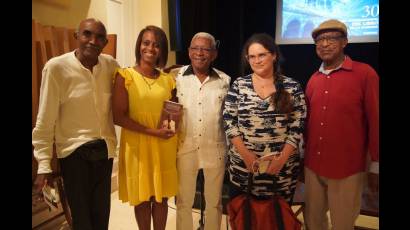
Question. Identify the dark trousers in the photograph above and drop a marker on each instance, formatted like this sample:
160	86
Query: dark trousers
87	183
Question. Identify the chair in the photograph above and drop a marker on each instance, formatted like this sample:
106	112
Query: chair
111	47
298	198
368	207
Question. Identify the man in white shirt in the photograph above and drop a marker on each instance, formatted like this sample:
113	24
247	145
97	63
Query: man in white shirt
75	115
202	143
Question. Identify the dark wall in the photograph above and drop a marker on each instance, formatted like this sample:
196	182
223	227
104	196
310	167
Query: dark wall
300	61
232	22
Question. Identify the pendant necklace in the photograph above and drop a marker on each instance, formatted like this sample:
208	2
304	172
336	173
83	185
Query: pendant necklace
149	84
260	83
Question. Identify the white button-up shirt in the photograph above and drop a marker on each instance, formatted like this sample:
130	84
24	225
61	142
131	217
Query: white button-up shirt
74	107
201	131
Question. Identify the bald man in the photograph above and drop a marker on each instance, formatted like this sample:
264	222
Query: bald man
75	115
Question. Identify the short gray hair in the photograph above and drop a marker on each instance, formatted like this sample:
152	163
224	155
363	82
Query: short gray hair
206	36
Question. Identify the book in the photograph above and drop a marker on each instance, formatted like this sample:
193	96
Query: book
264	161
171	115
51	197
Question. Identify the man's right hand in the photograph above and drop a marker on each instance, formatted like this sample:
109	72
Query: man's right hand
41	180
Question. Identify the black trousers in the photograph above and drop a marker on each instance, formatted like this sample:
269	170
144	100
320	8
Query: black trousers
87	181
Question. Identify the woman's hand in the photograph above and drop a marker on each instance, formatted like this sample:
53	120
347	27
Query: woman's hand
276	164
278	161
164	133
248	158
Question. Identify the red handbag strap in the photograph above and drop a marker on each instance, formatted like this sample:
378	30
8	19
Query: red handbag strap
278	214
247	211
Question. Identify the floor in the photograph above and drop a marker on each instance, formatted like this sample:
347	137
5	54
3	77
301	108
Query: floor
122	215
122	218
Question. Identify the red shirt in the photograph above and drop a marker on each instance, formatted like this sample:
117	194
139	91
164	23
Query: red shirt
343	120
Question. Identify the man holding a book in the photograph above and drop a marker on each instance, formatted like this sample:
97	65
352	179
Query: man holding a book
75	115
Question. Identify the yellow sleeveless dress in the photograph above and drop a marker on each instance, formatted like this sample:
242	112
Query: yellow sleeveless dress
147	164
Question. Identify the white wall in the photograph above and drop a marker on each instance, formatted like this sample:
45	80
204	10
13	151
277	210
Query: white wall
125	18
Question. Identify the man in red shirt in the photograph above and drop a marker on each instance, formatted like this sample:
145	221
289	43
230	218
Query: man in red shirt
342	131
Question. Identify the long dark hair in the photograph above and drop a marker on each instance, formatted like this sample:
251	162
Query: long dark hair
161	37
281	99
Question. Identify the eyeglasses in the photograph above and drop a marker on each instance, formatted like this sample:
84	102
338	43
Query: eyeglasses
253	58
330	39
199	49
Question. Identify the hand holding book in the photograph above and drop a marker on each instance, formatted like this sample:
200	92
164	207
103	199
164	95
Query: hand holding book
170	116
51	196
262	164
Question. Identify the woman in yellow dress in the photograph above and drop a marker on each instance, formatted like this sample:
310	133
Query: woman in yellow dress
147	157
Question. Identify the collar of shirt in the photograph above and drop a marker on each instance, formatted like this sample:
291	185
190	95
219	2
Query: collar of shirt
346	64
190	71
97	66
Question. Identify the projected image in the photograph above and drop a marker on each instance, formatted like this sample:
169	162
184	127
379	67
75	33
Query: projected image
297	18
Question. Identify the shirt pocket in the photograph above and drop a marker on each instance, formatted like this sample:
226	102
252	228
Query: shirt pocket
182	132
185	144
183	93
220	95
216	99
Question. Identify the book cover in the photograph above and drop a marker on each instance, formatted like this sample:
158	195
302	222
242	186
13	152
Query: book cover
171	115
264	161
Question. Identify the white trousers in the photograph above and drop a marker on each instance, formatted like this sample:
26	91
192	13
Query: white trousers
187	167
